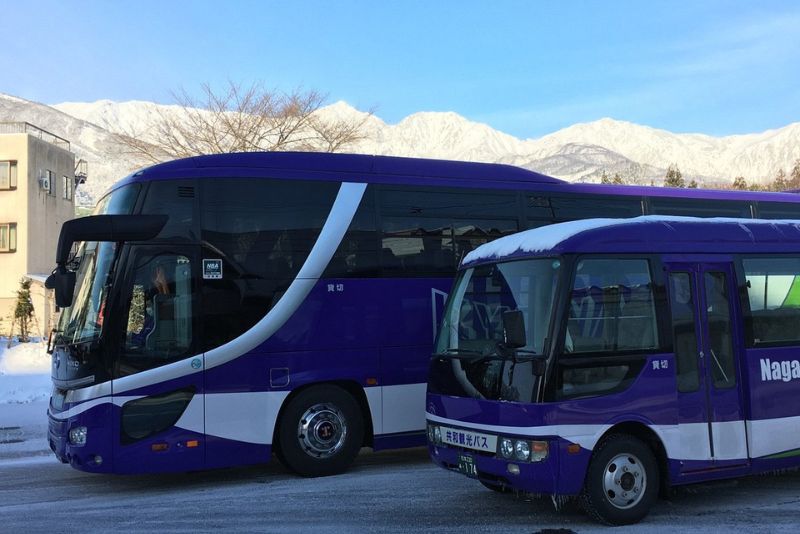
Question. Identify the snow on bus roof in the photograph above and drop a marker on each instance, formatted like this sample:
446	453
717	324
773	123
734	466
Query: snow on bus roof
546	238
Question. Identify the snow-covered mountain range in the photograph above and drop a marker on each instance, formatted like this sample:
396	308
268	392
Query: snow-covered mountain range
581	152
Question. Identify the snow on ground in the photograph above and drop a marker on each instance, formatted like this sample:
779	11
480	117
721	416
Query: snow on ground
24	392
24	372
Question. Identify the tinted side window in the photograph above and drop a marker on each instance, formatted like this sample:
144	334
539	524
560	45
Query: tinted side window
778	210
697	207
611	310
427	231
262	231
357	255
175	198
587	207
160	297
773	291
611	307
684	336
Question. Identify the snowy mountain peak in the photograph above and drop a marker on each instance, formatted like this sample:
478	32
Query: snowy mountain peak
583	151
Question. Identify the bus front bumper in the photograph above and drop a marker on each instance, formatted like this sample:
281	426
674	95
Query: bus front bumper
561	472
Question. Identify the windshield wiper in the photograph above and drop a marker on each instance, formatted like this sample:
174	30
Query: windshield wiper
458	354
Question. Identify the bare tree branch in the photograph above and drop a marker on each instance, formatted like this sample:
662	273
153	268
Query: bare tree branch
242	119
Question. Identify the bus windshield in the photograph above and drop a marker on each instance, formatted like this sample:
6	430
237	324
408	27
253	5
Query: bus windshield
471	337
84	319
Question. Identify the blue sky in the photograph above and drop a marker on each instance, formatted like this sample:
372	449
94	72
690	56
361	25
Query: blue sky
524	67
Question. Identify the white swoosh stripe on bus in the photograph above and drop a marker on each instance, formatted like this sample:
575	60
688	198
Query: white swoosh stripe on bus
682	442
339	218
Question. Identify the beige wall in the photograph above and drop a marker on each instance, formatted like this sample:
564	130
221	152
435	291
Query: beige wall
38	215
13	204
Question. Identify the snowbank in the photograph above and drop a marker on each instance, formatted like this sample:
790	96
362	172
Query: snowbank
24	372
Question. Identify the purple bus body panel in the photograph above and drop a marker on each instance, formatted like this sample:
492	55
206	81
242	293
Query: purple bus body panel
375	334
361	330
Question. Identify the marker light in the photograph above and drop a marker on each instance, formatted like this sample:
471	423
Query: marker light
77	435
540	450
437	434
192	443
522	450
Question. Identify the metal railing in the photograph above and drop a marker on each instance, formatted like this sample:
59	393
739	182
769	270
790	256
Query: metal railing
30	129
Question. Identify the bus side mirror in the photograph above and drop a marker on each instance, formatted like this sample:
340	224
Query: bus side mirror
514	329
63	282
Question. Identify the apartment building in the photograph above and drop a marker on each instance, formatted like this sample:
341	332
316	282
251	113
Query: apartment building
37	195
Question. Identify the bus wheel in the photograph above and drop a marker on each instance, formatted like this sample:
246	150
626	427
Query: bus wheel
320	432
622	481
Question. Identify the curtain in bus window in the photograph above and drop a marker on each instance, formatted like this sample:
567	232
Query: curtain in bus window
773	290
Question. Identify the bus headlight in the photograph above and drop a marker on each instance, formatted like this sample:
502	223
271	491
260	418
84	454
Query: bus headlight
77	435
522	450
506	448
434	434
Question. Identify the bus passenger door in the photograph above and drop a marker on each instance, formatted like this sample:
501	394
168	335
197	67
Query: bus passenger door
158	372
707	352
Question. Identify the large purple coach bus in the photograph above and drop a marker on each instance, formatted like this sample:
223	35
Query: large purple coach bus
610	359
221	308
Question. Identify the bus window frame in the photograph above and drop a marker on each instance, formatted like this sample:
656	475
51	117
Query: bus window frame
552	391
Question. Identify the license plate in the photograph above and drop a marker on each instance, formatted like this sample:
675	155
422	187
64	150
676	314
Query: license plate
466	466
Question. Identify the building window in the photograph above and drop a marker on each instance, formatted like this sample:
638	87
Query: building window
8	174
50	182
66	189
8	237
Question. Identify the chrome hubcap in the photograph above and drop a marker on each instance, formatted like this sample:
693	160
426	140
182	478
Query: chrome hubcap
322	430
624	481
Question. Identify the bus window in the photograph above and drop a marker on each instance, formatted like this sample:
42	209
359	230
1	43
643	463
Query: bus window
773	290
611	310
697	207
357	255
175	198
263	231
428	232
159	327
684	337
585	207
778	210
611	307
720	334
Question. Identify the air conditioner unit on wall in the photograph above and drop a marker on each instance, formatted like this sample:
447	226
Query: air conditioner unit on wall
45	183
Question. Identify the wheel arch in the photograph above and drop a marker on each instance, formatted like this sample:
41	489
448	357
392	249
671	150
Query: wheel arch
351	387
650	438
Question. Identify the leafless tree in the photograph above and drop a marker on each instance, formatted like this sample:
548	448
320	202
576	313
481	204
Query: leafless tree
241	119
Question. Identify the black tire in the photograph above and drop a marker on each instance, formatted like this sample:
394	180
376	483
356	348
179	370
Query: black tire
624	499
320	432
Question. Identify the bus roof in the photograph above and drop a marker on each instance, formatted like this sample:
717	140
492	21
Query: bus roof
287	164
645	234
417	171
